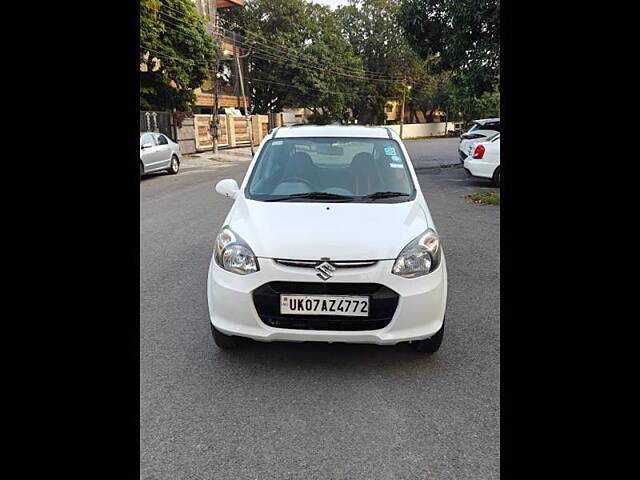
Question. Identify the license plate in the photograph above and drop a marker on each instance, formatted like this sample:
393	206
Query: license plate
324	305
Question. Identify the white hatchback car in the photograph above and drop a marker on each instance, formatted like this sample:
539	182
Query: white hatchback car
329	239
485	160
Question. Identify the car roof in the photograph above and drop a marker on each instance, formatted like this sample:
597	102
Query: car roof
486	120
356	131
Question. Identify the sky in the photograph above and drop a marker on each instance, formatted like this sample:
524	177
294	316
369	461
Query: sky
332	3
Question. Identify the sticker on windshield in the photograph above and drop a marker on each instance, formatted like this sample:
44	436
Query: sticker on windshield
389	150
396	159
276	142
396	165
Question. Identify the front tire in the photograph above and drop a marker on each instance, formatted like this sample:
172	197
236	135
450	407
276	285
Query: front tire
175	165
221	340
496	177
429	345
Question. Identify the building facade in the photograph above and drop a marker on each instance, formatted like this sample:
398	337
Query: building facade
229	89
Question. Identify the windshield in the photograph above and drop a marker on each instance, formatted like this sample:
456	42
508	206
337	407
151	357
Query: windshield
331	169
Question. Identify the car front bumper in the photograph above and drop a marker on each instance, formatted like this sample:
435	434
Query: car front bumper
419	313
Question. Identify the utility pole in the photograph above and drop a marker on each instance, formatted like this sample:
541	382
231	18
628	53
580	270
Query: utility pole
402	112
215	127
405	88
214	124
244	98
446	120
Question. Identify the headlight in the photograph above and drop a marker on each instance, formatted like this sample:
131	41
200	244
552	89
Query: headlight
419	257
233	254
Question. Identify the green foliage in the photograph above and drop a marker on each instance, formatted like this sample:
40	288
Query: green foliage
371	28
290	39
176	51
464	33
340	64
470	106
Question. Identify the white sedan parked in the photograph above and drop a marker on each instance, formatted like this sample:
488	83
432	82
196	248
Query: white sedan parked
481	130
158	152
485	160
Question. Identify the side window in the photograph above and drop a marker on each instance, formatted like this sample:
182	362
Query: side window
147	138
162	140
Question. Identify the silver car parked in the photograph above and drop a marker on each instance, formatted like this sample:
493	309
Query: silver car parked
158	152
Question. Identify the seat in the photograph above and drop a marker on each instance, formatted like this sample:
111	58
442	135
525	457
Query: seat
301	166
364	176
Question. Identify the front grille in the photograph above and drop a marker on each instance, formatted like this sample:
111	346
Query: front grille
315	263
382	305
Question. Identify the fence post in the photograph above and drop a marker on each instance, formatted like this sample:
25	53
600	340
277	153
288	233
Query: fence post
173	126
231	130
256	126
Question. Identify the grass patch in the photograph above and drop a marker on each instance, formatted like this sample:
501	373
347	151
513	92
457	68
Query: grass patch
485	198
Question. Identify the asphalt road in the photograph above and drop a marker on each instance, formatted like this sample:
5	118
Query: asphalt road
314	411
430	152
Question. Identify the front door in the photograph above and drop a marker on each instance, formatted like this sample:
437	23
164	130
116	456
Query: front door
150	156
164	151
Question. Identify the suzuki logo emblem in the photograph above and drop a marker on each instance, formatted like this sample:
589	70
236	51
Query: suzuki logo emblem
325	270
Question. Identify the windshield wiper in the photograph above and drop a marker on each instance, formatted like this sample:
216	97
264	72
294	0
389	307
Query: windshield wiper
312	195
378	195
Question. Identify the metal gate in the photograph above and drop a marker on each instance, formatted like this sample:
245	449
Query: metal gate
161	122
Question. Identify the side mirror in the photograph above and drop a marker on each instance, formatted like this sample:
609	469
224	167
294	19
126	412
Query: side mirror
228	187
147	145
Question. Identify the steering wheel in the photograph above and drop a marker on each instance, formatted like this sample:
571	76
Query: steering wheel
296	179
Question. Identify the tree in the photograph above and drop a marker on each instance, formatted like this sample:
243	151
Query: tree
432	91
176	54
371	27
327	94
296	48
470	106
464	33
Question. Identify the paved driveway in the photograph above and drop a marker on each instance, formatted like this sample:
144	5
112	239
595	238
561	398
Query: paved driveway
431	152
307	411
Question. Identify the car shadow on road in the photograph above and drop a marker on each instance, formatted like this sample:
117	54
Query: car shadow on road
480	183
436	170
345	357
148	176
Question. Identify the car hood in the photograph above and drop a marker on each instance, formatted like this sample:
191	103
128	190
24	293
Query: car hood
340	231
